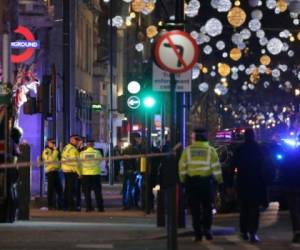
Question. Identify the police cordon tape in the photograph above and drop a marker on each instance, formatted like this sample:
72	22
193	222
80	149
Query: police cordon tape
123	157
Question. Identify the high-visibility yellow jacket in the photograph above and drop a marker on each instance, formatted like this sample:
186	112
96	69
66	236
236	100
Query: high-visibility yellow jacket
70	152
51	155
200	159
90	167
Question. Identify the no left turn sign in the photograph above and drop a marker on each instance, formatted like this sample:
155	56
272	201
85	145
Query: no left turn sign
176	51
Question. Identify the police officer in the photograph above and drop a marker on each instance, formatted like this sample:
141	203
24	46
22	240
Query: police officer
80	147
71	171
198	168
91	178
51	154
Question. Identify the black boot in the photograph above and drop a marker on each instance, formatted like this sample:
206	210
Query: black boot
254	238
208	235
197	238
244	236
296	238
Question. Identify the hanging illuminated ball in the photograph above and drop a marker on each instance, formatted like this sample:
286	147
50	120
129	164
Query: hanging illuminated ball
254	77
195	71
139	47
220	89
282	5
213	27
118	21
151	31
235	54
254	25
265	60
236	16
220	45
257	14
138	5
203	87
224	5
275	46
149	7
224	69
128	21
195	4
132	15
245	33
204	70
271	4
298	36
237	3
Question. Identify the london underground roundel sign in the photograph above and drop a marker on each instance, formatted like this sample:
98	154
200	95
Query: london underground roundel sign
29	45
176	51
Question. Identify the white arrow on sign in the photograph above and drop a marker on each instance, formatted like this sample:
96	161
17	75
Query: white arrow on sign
134	102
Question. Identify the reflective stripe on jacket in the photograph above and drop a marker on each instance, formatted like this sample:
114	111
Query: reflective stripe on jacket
70	152
51	155
200	159
90	167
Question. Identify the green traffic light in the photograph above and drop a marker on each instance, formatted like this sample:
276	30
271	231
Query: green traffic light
149	102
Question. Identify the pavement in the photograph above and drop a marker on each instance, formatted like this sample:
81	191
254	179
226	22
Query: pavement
132	229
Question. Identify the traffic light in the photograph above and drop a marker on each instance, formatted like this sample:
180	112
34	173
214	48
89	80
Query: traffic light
133	95
43	96
149	101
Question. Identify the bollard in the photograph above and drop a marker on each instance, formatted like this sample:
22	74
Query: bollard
24	184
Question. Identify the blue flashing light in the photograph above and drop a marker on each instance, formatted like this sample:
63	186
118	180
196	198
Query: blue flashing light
279	156
291	142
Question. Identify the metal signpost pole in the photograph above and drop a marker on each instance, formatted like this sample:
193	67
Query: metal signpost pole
171	190
111	107
66	69
178	45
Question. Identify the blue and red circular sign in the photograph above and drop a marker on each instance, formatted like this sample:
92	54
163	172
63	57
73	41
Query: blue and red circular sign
29	44
176	51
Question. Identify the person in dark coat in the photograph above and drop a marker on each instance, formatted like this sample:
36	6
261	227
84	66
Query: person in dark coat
117	163
131	186
13	175
289	177
251	188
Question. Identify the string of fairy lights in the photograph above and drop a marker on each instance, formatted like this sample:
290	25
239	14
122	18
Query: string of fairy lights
240	56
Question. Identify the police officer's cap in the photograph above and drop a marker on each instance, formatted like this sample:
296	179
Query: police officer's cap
200	134
200	131
75	136
51	140
90	141
136	135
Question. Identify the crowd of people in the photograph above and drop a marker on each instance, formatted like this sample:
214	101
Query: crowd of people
199	172
83	174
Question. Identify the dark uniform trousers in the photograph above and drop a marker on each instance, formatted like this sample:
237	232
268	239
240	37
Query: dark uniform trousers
249	216
78	193
70	190
131	189
92	183
54	196
200	198
293	198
